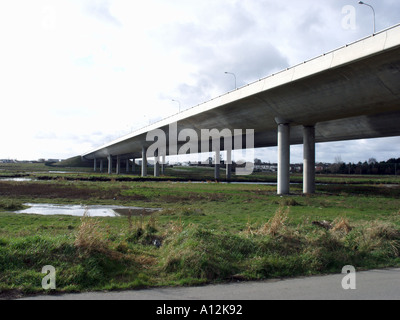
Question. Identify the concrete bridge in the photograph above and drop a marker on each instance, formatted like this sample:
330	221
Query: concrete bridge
349	93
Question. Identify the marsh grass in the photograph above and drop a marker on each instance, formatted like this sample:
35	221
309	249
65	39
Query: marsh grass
95	256
11	205
182	211
245	232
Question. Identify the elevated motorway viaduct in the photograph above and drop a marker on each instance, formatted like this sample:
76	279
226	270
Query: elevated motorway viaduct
349	93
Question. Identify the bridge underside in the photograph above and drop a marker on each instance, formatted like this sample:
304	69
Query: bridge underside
351	93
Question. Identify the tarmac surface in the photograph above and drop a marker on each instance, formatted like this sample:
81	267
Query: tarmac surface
369	285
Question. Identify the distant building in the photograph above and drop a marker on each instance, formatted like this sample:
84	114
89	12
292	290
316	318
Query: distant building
7	161
265	167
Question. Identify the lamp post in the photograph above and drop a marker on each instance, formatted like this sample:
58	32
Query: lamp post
234	77
178	103
373	10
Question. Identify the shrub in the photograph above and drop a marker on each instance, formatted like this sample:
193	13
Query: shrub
90	237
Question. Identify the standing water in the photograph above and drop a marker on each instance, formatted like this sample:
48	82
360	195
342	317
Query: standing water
80	210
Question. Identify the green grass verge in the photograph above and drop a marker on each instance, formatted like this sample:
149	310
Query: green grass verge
209	232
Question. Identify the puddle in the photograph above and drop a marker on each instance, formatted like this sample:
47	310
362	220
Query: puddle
238	182
16	179
261	183
78	210
390	186
64	172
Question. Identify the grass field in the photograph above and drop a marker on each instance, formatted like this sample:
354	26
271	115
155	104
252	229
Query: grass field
208	232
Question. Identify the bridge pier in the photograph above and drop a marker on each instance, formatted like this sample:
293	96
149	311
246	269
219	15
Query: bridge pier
133	165
110	163
309	159
283	158
156	165
144	162
95	164
163	165
228	164
101	166
118	169
217	165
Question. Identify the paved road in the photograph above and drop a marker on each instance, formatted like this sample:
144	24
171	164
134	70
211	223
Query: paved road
370	285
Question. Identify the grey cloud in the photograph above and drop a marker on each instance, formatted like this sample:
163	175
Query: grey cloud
101	10
256	59
42	135
249	60
231	43
230	38
359	150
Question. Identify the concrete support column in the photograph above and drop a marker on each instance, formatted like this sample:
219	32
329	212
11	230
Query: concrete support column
309	160
110	164
101	165
217	165
144	162
283	158
127	166
133	165
95	164
156	165
118	169
163	165
228	164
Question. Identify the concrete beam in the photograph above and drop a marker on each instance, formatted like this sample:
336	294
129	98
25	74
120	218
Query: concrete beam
283	159
309	160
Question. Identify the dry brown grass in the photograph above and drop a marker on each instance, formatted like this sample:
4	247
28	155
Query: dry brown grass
90	237
274	226
173	229
382	230
146	262
342	225
378	236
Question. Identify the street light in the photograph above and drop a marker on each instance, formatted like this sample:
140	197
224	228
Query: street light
234	76
179	104
366	4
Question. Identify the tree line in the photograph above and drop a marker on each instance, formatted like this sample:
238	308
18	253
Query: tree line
373	167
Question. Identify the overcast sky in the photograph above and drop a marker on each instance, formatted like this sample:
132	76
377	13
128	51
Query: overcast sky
75	74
